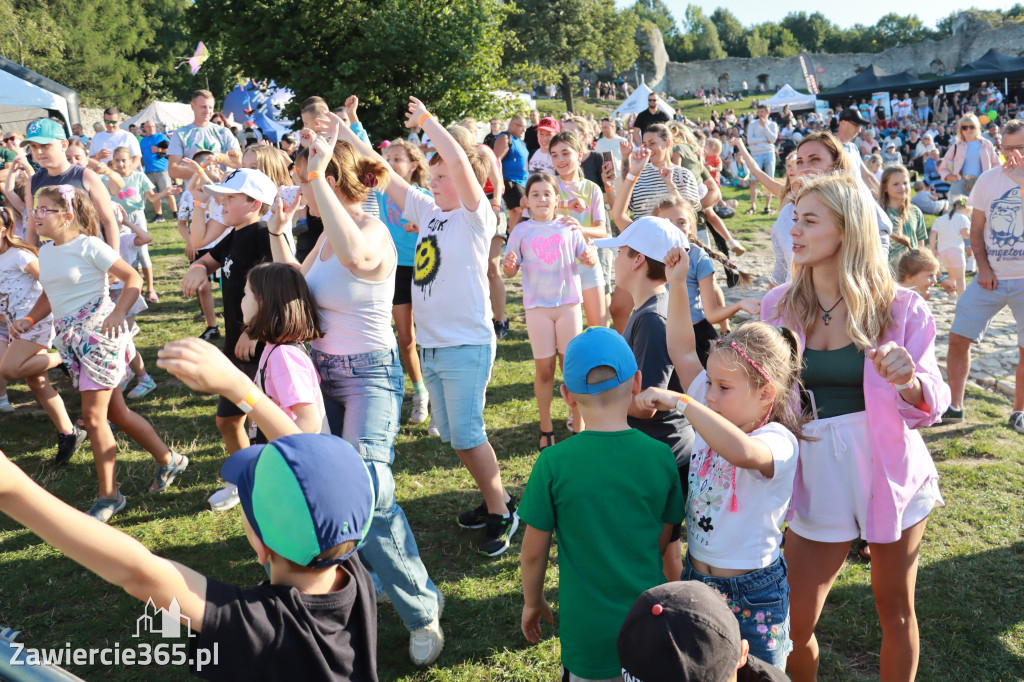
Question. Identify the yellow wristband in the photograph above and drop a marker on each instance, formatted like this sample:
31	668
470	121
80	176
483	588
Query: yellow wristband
424	117
313	175
249	401
32	322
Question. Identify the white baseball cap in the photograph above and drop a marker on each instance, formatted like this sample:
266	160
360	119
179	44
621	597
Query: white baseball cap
651	236
248	181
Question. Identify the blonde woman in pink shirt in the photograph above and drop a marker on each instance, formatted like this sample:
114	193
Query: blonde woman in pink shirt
869	370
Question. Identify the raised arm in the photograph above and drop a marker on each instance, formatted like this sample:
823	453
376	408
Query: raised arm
773	186
679	337
466	186
397	187
637	159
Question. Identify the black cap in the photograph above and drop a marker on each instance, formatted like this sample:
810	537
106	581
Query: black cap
852	115
685	632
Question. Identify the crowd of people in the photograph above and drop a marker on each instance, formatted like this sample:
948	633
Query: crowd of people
342	268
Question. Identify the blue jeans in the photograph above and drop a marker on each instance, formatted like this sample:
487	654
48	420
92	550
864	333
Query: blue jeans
363	398
760	600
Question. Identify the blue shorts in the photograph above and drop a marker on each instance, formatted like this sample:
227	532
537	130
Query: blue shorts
456	379
760	600
977	306
591	278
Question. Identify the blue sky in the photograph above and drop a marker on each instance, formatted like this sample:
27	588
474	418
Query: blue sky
844	14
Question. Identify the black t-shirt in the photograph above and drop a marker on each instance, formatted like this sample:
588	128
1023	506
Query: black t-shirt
530	140
591	167
305	242
645	119
645	334
275	632
489	139
239	252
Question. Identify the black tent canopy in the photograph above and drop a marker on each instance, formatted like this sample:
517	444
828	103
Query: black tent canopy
874	79
992	65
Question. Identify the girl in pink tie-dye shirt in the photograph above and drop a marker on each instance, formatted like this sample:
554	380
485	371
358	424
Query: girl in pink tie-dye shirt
548	249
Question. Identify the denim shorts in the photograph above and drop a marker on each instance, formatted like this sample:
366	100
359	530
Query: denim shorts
760	600
456	379
591	278
977	306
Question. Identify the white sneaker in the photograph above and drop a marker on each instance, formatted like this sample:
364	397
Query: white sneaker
432	429
425	644
736	247
225	498
420	401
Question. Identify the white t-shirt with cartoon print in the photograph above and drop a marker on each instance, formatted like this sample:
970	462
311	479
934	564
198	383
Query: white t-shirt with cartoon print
999	197
450	296
733	514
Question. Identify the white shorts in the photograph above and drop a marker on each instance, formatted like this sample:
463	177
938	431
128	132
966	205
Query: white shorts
953	259
833	483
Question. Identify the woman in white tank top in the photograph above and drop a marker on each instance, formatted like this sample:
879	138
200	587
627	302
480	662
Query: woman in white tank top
351	272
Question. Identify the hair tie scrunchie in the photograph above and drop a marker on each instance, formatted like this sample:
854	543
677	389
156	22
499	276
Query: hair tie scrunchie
370	180
67	193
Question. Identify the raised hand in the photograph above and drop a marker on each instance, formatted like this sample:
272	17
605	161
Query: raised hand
417	110
677	265
892	362
638	159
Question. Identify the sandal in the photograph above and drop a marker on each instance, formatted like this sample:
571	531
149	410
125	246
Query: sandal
166	474
750	211
153	298
105	507
549	436
769	211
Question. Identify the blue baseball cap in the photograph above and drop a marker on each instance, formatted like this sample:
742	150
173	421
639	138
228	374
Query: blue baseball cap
597	347
44	131
303	494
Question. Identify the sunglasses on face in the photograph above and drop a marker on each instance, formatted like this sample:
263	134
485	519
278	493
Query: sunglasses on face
967	127
10	139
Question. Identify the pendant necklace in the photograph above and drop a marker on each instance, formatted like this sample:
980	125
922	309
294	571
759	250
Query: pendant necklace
827	317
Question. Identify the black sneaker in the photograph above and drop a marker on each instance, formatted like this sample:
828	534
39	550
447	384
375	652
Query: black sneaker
210	334
951	416
477	518
498	533
500	328
68	444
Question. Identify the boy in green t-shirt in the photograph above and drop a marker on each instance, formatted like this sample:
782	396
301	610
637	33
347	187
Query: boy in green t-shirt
613	495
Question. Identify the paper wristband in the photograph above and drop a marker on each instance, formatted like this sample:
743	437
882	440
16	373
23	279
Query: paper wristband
684	400
249	401
630	177
313	175
424	117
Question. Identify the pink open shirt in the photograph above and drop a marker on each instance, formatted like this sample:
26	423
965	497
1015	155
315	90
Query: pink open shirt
901	462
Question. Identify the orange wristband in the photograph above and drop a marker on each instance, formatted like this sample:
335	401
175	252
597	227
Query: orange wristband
197	265
249	401
313	175
684	400
424	117
31	321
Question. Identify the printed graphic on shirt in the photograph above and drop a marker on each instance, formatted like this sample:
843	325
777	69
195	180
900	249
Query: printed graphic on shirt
226	267
547	248
1007	226
427	262
711	480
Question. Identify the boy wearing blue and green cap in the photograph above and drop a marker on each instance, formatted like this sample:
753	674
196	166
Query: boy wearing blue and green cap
613	496
307	503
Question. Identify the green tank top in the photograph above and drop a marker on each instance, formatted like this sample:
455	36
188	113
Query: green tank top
836	378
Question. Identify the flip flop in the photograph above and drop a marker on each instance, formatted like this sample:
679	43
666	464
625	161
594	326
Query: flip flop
549	436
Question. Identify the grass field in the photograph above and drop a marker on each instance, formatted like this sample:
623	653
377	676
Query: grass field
970	596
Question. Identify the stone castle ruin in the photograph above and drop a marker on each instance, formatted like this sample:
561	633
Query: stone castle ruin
971	39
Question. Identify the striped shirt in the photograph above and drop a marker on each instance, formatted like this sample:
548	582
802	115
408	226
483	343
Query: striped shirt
650	189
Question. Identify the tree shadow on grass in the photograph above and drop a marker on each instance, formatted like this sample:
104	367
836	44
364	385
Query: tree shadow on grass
967	607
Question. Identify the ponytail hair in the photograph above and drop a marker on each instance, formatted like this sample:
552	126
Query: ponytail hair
9	238
956	202
743	278
71	200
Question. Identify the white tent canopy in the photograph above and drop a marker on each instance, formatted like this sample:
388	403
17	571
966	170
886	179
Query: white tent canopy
637	102
166	115
787	95
23	101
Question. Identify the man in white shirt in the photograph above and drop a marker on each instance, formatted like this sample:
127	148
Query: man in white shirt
761	136
997	239
103	144
850	122
609	142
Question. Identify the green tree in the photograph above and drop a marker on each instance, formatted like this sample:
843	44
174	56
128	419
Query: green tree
560	34
658	13
730	32
782	42
706	43
446	52
757	46
893	30
810	31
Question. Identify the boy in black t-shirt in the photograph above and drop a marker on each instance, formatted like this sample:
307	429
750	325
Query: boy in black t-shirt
243	196
316	617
